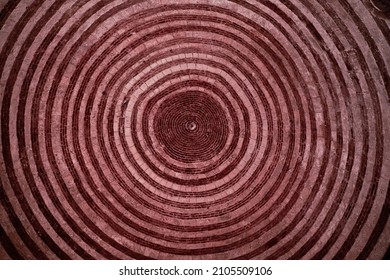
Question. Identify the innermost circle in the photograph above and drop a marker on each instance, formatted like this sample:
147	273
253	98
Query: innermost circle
191	126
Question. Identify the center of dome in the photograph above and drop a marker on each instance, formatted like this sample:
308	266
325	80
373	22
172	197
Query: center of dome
191	126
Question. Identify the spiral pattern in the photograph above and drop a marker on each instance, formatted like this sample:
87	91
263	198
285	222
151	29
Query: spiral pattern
195	129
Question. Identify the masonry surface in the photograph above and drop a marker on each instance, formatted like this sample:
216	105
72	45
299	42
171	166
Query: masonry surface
201	129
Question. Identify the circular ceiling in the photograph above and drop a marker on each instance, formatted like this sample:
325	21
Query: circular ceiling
194	129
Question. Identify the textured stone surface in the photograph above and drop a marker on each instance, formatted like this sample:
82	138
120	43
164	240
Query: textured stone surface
194	129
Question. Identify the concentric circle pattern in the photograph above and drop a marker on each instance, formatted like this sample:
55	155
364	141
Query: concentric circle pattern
191	127
198	129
